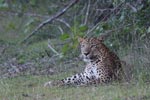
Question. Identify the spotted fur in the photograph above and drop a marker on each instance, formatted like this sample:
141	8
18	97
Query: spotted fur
102	65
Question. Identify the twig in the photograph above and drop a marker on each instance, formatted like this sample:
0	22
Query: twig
64	22
61	30
132	7
87	12
49	46
50	20
93	28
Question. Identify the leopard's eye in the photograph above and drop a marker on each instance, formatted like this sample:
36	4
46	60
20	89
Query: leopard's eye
93	45
82	45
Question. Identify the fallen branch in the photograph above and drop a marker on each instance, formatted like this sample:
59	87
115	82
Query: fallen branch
50	20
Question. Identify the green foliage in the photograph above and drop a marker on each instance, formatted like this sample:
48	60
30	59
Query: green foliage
64	36
66	49
83	28
11	26
143	15
72	40
33	2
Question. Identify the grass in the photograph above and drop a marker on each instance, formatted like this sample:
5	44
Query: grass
31	88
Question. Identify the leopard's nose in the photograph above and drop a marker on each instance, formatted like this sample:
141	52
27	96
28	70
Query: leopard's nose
86	53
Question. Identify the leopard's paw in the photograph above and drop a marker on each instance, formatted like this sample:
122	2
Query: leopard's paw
54	83
49	84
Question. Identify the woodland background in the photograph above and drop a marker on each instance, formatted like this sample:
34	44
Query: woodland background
38	43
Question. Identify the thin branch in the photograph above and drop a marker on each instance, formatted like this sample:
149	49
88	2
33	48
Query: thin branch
132	7
50	20
93	28
82	12
61	30
53	50
87	12
64	22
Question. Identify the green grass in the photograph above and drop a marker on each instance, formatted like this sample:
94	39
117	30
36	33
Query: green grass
31	88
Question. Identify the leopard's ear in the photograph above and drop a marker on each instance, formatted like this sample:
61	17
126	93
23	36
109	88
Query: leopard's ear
80	39
101	38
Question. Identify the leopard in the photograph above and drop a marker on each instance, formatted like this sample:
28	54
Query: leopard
102	65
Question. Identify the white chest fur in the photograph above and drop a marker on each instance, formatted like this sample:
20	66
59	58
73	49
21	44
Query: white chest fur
91	70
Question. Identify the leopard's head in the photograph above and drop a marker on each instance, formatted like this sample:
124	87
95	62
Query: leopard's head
89	50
